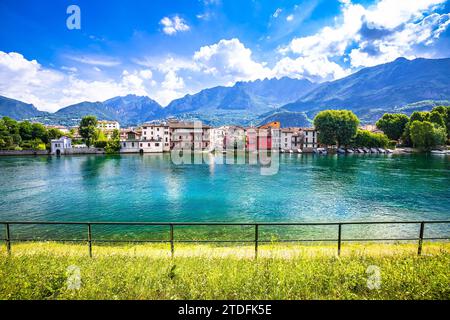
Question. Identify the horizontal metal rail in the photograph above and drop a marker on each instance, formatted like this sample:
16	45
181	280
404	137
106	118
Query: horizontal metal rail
256	241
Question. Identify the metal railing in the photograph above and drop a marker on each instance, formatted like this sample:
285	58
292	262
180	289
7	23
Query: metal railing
256	241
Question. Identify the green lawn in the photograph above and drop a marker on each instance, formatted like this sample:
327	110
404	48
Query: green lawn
42	271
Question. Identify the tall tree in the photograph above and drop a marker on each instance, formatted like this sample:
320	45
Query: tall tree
393	125
427	135
445	112
336	127
88	129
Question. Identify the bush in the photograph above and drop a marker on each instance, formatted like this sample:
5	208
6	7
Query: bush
369	139
100	144
426	135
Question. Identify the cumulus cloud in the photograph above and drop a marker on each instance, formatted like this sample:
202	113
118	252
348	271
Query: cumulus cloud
173	25
376	34
50	89
314	68
230	59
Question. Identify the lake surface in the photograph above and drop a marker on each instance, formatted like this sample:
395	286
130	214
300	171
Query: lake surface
307	188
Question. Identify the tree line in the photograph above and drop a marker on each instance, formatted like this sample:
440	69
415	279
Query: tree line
93	136
25	135
424	129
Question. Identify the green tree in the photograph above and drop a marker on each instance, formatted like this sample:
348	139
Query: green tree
113	145
445	112
426	135
54	133
336	127
365	138
11	125
419	116
88	129
39	131
393	125
437	118
26	130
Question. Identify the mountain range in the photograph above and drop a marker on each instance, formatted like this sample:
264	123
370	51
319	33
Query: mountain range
399	86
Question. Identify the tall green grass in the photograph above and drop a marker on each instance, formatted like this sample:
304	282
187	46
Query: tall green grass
40	271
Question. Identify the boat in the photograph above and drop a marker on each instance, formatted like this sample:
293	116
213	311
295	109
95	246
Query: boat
361	151
350	151
366	150
299	151
291	151
389	151
373	150
439	152
341	151
381	150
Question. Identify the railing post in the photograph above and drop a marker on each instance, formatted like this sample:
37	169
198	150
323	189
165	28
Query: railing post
339	239
8	239
256	240
172	245
90	239
422	229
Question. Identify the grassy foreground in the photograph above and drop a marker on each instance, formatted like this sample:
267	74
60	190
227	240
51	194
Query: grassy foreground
46	271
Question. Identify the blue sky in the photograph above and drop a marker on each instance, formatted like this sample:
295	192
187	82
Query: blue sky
166	49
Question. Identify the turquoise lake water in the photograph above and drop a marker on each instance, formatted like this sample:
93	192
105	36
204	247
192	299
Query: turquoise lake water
307	188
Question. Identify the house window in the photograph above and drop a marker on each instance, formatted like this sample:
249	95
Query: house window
132	144
149	145
156	144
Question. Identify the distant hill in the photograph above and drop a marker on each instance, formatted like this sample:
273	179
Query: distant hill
18	110
241	103
380	89
399	86
287	119
128	110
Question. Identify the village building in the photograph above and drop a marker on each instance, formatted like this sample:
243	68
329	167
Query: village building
61	146
157	132
108	127
291	139
310	139
135	144
228	138
189	136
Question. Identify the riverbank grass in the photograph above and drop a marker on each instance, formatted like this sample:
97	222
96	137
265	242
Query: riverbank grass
369	271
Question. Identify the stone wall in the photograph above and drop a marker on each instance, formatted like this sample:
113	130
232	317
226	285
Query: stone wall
23	153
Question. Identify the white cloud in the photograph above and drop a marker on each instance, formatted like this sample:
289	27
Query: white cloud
231	60
376	34
290	17
95	60
50	89
173	25
314	68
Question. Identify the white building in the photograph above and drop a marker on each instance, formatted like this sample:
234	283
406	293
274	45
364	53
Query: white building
218	139
157	132
291	139
134	144
108	127
311	138
61	146
228	138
